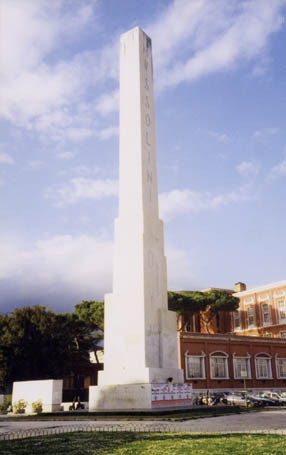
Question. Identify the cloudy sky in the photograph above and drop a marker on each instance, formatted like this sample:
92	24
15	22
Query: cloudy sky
220	100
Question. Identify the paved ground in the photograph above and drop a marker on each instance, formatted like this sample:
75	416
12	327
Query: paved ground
268	421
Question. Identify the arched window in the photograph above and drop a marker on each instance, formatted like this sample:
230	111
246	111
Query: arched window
263	366
219	365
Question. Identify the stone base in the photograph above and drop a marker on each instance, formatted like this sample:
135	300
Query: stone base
137	396
140	376
47	391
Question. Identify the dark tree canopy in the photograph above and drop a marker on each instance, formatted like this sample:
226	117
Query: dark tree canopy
187	301
208	304
36	343
92	313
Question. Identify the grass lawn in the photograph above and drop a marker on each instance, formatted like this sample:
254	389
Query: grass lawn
126	443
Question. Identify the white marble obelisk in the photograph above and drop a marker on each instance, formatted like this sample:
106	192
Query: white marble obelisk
140	337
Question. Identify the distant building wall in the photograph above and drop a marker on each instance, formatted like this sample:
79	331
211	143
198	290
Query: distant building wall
216	362
262	311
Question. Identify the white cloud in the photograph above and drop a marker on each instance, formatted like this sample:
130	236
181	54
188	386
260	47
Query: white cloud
247	168
66	155
193	39
37	164
109	132
38	92
81	188
190	39
279	170
5	158
62	270
265	133
107	103
178	202
67	267
84	170
79	134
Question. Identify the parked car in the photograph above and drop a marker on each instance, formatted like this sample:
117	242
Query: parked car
254	401
276	397
237	399
265	400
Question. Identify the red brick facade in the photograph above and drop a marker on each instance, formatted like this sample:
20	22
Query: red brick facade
265	360
248	344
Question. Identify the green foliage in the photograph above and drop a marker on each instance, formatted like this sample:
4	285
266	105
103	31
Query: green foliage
221	300
187	301
19	406
7	403
208	304
92	313
36	343
37	406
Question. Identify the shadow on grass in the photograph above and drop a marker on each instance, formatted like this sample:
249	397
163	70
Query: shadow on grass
100	443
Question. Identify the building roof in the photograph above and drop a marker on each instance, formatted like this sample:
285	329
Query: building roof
263	288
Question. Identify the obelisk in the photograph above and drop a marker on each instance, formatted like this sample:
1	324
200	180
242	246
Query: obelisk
140	336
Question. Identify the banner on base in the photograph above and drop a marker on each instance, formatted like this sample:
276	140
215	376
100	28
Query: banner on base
170	395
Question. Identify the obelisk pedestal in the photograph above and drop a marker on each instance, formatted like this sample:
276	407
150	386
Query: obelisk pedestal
140	336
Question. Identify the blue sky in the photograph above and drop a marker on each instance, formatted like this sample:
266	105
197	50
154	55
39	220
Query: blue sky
220	102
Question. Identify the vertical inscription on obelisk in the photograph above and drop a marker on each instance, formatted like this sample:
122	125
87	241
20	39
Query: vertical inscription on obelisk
147	114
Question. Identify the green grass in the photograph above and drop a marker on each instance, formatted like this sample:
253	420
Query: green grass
126	443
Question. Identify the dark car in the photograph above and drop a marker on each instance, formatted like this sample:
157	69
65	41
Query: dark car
275	397
266	401
253	401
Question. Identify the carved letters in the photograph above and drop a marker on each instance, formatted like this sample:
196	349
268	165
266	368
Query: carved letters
147	86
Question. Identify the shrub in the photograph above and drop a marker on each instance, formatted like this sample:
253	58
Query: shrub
4	407
37	406
19	407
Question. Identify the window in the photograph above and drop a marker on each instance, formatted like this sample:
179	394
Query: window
250	317
267	335
281	368
195	366
266	316
281	304
219	365
241	368
236	320
263	366
283	334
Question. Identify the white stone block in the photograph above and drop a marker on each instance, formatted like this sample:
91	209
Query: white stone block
48	391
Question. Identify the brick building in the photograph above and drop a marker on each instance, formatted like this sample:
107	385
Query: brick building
262	310
223	361
248	344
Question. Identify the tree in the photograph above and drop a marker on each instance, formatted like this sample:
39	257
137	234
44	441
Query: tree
207	304
92	314
187	303
39	344
218	300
